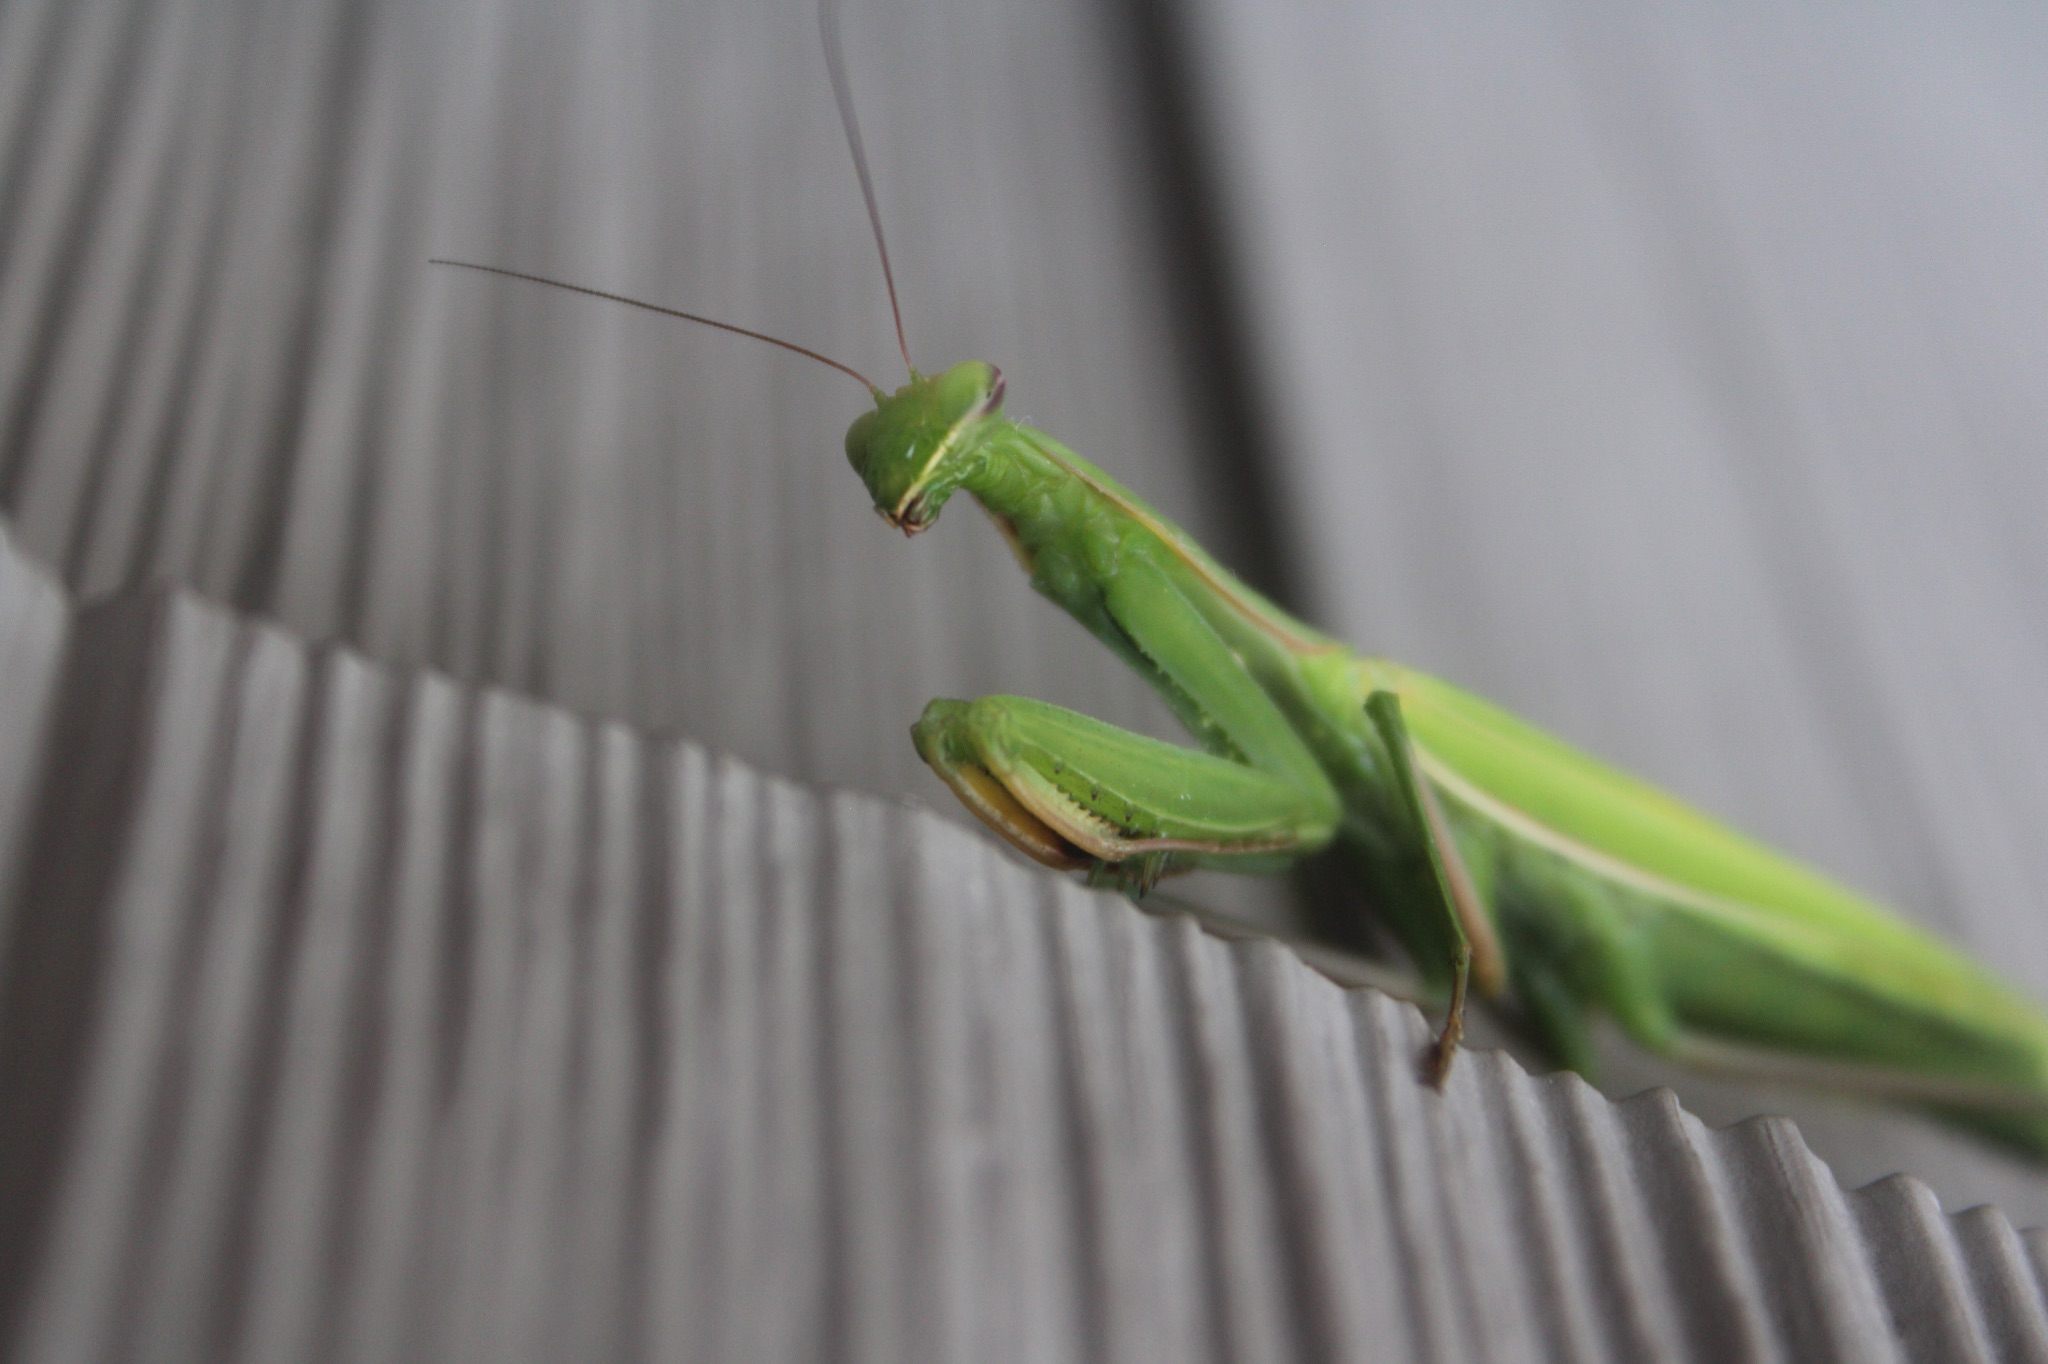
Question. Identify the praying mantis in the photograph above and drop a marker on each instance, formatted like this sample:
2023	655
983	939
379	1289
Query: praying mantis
1505	863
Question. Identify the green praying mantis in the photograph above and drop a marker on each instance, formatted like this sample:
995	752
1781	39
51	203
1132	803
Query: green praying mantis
1503	861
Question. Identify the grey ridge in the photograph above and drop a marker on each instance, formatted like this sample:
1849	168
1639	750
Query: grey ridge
404	951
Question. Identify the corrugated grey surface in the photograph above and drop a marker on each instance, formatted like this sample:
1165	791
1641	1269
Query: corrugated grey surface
358	1015
225	362
1673	375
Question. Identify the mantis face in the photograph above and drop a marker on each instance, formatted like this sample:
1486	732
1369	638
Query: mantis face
920	442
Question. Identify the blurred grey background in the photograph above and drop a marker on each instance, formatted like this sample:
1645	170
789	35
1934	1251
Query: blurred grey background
1670	374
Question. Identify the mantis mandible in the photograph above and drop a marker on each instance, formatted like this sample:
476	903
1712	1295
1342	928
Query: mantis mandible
1503	861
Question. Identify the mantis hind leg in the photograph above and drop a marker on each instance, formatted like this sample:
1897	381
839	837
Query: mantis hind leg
1076	793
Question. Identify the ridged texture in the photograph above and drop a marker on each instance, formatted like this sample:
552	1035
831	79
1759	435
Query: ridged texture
358	1015
349	1012
225	361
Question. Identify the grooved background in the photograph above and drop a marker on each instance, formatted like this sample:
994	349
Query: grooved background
1672	378
225	362
353	1014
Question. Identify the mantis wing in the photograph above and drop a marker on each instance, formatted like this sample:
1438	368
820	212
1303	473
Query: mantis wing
1704	944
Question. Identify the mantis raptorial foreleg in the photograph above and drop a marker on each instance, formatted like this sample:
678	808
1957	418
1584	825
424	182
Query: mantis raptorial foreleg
1072	791
1217	697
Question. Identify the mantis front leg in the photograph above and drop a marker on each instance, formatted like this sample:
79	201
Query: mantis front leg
1074	792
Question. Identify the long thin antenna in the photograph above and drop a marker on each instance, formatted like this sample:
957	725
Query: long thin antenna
865	382
835	63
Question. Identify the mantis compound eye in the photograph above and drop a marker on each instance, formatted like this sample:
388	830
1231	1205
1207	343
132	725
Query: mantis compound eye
993	402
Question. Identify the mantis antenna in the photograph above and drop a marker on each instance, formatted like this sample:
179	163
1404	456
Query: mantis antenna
865	382
835	65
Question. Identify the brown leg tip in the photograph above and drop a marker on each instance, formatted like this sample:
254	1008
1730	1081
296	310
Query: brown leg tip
1438	1055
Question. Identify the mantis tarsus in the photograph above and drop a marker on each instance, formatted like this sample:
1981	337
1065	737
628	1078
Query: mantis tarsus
1499	857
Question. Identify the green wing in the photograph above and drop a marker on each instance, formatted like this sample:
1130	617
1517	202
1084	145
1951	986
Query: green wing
1748	943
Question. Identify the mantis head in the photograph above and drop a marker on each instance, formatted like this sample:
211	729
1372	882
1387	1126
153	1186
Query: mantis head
921	442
